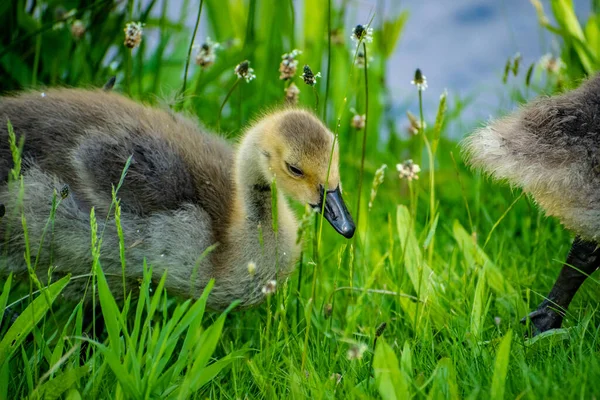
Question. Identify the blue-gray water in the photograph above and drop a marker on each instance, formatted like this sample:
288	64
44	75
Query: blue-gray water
460	45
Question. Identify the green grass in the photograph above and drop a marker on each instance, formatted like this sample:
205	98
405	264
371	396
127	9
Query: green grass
449	263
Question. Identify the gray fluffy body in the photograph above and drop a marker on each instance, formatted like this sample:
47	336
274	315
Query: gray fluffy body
179	197
550	148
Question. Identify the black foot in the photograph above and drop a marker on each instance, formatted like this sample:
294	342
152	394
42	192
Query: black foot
543	319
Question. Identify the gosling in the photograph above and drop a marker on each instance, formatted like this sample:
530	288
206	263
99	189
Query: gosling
551	149
191	205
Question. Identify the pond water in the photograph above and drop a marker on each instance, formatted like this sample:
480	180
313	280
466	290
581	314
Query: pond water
460	45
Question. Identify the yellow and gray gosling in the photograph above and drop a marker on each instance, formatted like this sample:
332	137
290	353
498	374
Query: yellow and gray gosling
551	149
184	191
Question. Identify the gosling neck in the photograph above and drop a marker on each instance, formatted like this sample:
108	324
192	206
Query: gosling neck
253	188
251	237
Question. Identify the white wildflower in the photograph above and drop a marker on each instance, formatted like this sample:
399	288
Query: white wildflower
308	76
336	377
420	80
289	65
356	351
206	55
133	34
362	33
360	60
359	121
77	29
291	94
269	288
414	126
243	70
409	170
552	64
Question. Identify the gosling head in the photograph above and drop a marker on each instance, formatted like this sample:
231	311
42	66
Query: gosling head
296	148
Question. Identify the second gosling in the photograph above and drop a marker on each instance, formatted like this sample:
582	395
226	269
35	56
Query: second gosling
551	148
185	191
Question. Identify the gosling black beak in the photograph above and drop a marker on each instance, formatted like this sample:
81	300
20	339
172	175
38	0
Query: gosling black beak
336	212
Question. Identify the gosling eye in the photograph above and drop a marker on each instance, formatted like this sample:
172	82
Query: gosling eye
295	171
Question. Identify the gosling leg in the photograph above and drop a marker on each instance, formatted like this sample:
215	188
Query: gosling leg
583	260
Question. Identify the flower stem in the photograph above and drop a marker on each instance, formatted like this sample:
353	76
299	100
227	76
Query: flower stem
237	81
129	53
317	248
431	160
328	60
189	54
293	24
364	143
299	289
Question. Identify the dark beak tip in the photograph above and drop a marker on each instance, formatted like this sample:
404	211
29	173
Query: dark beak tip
348	230
337	214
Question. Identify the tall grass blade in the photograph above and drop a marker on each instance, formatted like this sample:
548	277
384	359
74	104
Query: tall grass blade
501	368
420	274
4	297
121	373
478	306
475	256
4	380
29	318
565	17
444	381
391	382
110	313
205	347
406	362
60	384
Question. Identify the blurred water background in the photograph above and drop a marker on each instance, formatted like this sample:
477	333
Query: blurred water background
460	45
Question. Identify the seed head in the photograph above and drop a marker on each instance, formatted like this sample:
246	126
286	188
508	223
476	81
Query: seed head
337	37
414	126
380	329
516	63
362	33
356	351
308	76
70	14
269	288
206	55
64	192
289	65
358	121
327	310
291	94
252	268
377	181
133	34
409	170
420	80
361	60
553	65
61	15
77	29
243	70
336	377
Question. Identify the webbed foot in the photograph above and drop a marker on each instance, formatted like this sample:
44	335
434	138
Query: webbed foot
543	319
